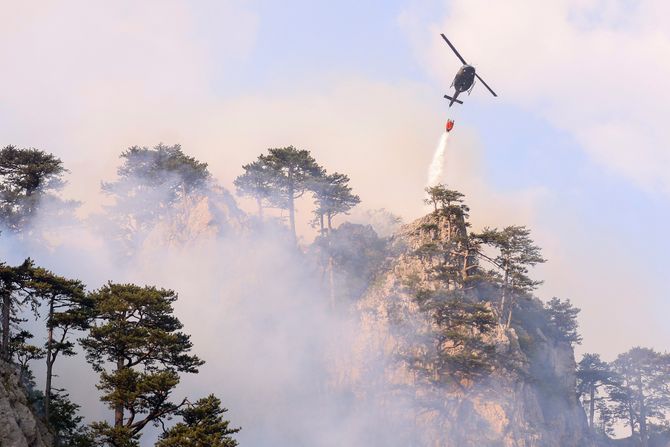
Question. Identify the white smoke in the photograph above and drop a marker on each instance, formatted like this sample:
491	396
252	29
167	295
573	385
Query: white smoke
258	314
436	169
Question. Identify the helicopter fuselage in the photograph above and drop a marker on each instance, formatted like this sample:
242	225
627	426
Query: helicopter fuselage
464	78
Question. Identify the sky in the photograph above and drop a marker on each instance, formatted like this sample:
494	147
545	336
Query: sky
575	146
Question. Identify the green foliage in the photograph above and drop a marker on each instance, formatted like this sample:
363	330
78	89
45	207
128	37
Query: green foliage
639	393
592	375
27	176
66	422
23	352
516	253
563	320
68	308
460	351
162	166
113	436
332	196
150	182
135	331
291	171
256	182
203	426
15	292
281	177
442	197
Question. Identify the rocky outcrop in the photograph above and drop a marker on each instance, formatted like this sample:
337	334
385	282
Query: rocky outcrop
528	400
19	426
197	218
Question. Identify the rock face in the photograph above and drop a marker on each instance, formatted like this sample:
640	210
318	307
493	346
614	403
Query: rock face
19	427
528	400
197	217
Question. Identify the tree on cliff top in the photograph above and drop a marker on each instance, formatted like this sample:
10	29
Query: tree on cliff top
291	170
136	332
15	291
256	182
442	197
563	320
27	177
150	182
332	196
516	253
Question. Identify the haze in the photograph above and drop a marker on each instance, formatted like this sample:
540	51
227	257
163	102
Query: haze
575	146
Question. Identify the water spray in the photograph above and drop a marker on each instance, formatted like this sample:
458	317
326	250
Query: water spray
437	165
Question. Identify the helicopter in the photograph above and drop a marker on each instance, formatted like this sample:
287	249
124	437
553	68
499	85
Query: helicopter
465	78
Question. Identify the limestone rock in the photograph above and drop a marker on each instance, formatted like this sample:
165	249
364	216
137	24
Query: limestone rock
19	426
531	404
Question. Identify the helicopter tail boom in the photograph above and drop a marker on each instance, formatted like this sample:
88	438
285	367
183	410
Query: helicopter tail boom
453	100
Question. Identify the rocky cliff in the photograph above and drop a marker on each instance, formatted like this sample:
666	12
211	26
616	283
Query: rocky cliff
524	398
19	427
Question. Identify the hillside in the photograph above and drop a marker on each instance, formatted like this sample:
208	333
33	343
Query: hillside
526	399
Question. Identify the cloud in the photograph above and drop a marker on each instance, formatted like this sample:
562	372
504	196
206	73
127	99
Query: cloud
85	80
596	69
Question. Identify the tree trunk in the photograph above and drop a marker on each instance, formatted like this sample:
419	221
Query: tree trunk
631	421
330	222
464	270
291	205
6	312
644	438
504	292
118	408
331	282
47	387
259	202
592	407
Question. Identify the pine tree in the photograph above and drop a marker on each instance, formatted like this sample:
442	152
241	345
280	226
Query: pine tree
15	292
67	424
203	426
592	374
291	170
563	320
516	254
640	394
23	352
136	332
256	182
458	351
150	182
442	198
332	196
27	176
67	309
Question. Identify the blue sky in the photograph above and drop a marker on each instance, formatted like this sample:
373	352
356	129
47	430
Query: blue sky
588	206
575	146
